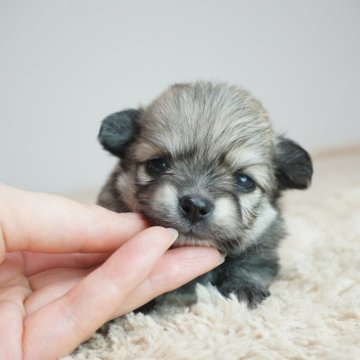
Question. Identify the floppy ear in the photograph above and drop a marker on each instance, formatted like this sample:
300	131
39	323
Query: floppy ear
118	130
293	166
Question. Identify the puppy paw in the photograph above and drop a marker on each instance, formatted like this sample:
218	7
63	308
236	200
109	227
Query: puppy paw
252	294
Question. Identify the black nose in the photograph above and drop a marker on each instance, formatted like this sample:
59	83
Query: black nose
195	209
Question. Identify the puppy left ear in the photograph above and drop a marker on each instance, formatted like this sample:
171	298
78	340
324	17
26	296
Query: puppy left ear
293	166
118	130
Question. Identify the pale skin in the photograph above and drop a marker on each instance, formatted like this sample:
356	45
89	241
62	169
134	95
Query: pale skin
67	268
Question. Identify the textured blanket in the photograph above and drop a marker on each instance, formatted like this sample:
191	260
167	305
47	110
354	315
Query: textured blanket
314	309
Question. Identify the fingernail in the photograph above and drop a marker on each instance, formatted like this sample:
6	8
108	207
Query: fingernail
173	233
222	259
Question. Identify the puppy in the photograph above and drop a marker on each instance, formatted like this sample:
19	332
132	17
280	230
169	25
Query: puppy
203	159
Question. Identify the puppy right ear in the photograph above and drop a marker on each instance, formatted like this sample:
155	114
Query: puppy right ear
118	130
293	165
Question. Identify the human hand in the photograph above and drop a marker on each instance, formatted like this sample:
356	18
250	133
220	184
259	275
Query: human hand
67	268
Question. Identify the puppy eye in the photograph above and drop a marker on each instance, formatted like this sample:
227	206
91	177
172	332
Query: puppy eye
245	183
157	166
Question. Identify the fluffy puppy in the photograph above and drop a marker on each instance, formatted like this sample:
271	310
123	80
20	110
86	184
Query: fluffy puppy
203	159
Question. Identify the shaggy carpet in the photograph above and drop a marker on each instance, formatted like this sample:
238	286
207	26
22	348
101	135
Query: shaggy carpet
314	310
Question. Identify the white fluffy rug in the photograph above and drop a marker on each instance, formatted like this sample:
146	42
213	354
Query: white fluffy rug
314	310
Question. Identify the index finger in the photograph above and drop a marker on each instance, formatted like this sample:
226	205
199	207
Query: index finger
49	223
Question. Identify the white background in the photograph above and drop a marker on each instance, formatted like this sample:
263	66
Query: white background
64	65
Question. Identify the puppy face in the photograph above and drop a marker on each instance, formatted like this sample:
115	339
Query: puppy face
203	159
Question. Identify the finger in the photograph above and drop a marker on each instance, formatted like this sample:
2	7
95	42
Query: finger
55	276
12	296
92	302
176	268
51	285
38	262
48	223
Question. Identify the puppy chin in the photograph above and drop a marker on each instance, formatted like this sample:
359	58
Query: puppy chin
231	248
186	240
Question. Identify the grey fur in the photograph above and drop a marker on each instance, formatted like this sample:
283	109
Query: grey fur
209	134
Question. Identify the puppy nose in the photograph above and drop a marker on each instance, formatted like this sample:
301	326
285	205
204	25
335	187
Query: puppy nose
195	209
